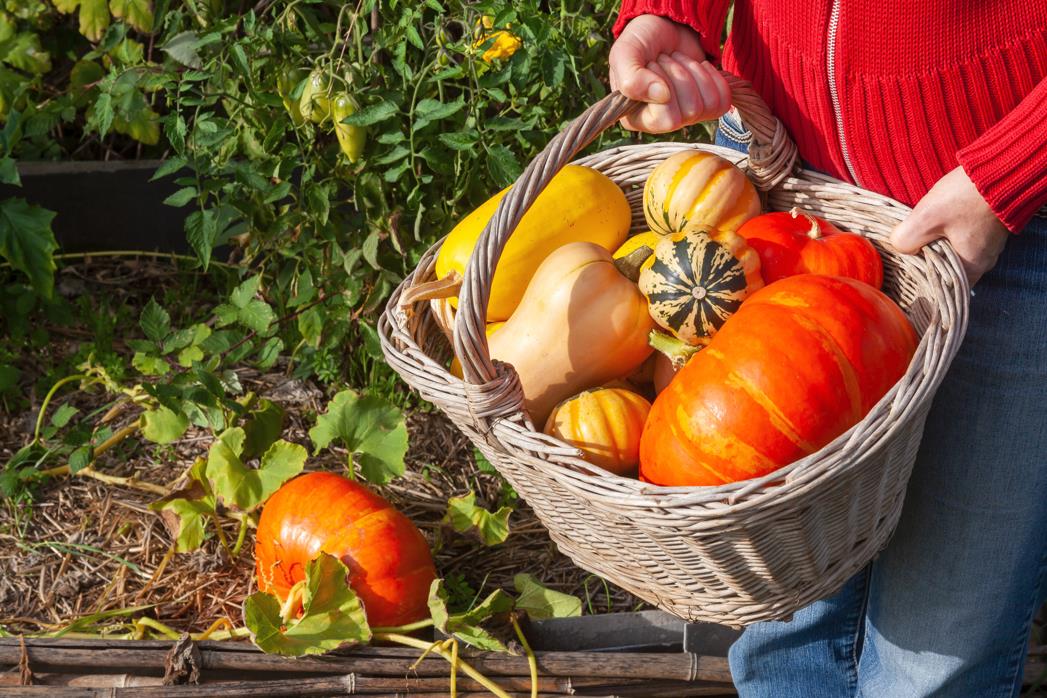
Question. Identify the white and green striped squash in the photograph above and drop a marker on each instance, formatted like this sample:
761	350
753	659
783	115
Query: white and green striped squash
695	280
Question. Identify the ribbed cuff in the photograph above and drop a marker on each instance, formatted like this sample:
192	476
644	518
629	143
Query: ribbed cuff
1008	163
706	17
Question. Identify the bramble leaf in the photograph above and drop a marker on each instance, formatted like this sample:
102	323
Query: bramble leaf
137	13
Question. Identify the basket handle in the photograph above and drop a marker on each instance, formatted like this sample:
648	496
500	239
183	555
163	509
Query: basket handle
772	156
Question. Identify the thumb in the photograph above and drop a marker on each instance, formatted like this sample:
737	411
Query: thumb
633	78
909	236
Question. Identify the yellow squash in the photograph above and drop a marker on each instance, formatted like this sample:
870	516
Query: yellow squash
579	325
580	204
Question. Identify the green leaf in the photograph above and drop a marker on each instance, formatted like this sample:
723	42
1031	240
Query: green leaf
149	365
466	626
27	243
372	429
66	6
155	321
169	167
94	18
181	197
80	458
269	353
372	114
187	356
137	13
9	172
128	52
184	48
463	514
262	427
62	415
247	487
541	603
503	165
332	614
459	140
163	425
187	511
243	293
25	53
257	315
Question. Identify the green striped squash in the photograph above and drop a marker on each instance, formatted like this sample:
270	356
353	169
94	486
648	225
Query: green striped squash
695	189
694	281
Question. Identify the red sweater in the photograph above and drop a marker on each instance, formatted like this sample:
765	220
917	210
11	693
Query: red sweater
921	87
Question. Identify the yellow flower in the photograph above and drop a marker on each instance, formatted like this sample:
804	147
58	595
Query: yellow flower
503	44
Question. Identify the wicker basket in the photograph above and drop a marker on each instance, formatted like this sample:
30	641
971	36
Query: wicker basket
735	554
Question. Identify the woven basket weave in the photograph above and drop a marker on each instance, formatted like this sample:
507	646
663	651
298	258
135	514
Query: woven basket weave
735	554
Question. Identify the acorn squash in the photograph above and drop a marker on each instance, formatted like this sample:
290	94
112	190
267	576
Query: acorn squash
605	425
695	280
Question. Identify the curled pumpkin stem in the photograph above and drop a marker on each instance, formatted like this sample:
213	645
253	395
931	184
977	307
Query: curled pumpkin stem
677	350
294	599
816	231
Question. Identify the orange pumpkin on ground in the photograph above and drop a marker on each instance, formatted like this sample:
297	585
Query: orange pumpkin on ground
390	567
802	361
605	424
799	243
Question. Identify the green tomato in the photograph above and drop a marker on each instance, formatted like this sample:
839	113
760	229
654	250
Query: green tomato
285	84
350	138
314	104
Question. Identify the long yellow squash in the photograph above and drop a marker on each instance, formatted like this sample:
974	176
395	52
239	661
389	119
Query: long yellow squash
580	204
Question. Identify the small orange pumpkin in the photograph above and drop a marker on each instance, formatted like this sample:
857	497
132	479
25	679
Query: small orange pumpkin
605	424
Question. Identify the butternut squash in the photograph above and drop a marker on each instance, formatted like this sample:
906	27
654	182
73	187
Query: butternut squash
580	324
578	204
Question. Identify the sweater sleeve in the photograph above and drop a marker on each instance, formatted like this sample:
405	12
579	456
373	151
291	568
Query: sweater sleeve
706	17
1008	163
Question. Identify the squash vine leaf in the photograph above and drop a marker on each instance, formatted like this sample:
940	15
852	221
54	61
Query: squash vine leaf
542	603
464	514
332	614
246	487
466	625
372	430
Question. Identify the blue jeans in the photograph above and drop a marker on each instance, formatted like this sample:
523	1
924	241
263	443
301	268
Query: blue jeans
945	610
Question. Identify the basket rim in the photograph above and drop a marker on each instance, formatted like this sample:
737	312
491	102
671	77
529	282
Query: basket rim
927	368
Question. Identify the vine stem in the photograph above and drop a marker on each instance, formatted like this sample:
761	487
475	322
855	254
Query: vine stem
47	400
89	471
532	662
469	670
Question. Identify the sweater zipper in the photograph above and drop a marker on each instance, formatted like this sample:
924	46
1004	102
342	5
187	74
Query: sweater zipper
834	93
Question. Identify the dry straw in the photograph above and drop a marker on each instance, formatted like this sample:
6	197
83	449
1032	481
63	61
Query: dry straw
734	554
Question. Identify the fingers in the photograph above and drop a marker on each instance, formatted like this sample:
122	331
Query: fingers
909	236
656	118
630	74
698	93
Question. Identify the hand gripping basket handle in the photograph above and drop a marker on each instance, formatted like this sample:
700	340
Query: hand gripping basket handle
772	156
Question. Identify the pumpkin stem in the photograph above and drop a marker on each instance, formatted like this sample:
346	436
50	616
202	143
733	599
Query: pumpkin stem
677	350
816	231
630	264
289	608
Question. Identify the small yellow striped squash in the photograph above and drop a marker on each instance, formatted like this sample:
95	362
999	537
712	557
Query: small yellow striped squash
605	425
695	189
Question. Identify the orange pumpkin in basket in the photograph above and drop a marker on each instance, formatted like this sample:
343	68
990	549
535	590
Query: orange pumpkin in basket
802	361
390	567
796	242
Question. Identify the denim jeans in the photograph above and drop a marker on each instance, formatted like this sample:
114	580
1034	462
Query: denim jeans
945	610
